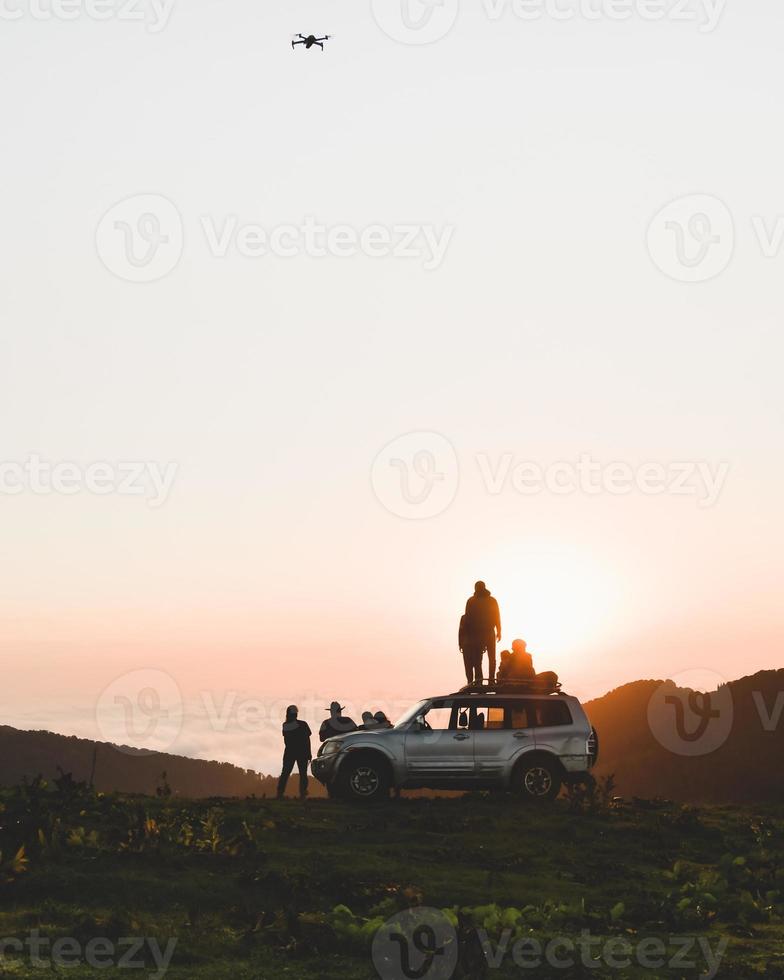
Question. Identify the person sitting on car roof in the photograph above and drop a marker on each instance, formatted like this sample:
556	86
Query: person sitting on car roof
517	665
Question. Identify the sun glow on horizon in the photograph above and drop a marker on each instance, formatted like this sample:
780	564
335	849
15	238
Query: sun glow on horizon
560	603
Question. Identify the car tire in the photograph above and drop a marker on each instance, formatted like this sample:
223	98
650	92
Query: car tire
364	780
538	780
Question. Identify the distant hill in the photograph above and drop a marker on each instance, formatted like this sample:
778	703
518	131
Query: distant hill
28	754
745	768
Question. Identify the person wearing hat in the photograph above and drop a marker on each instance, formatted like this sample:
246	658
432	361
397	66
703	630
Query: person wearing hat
296	740
337	723
483	623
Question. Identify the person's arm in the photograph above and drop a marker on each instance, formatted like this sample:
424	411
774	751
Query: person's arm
497	613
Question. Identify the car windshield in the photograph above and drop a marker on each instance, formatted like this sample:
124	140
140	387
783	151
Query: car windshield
412	712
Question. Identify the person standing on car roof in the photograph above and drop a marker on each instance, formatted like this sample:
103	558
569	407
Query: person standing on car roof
472	652
483	621
296	739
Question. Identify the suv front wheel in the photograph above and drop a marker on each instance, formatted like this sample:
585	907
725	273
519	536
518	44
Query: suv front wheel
364	780
537	779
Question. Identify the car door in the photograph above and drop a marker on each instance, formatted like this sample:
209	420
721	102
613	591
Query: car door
507	728
442	752
555	729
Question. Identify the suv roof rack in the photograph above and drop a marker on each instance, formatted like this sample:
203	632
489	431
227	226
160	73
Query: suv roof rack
510	687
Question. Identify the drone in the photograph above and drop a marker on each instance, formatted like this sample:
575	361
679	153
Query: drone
310	40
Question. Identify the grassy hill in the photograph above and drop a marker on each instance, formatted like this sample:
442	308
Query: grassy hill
25	755
745	767
262	889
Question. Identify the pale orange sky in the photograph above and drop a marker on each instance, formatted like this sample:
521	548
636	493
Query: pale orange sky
272	569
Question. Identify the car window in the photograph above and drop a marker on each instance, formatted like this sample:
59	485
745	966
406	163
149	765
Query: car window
439	718
482	715
552	713
495	717
521	716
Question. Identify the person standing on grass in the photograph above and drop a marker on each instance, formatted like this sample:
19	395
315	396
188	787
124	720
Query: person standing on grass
296	740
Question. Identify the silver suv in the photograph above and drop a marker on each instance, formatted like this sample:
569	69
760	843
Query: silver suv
503	738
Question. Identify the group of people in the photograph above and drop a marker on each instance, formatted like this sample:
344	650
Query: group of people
479	632
297	735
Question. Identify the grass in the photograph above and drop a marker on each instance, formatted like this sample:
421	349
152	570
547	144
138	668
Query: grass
263	889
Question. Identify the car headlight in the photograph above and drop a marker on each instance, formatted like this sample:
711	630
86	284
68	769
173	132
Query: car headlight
331	747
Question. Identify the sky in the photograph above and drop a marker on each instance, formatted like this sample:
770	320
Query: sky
296	345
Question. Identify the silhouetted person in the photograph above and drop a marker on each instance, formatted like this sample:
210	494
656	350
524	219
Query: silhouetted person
296	738
517	665
472	652
368	721
483	621
382	721
336	724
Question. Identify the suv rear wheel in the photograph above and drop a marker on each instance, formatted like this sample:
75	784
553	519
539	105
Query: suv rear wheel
537	779
364	780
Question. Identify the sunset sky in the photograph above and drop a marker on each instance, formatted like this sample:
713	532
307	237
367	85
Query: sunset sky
276	569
